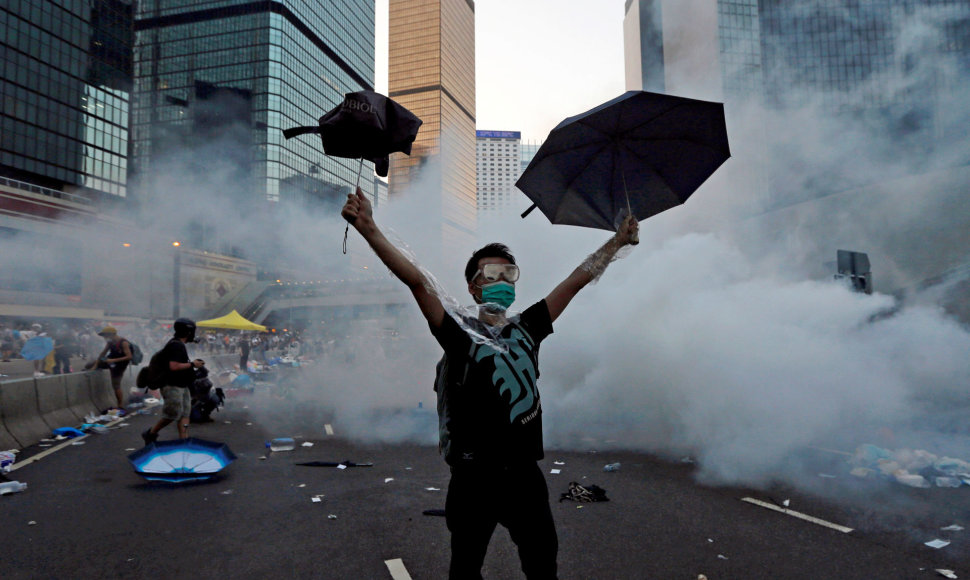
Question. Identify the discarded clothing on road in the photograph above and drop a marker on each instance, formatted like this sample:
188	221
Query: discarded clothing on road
335	464
584	494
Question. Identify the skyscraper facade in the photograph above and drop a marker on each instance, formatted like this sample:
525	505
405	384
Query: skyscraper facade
499	161
216	83
431	71
65	81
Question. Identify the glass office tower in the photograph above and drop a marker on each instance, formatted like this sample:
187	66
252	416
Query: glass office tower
431	71
227	77
65	77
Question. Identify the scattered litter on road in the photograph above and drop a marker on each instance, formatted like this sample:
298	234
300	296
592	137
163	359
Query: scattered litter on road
938	543
306	444
281	444
6	459
555	471
388	479
316	499
722	557
952	528
262	457
946	573
8	487
328	429
302	485
710	540
67	432
786	503
249	424
31	523
611	467
701	577
78	443
227	492
432	489
559	462
332	517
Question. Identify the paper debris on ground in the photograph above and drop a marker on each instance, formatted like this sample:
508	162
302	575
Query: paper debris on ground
938	543
946	573
953	528
316	499
306	444
227	492
559	462
432	489
387	479
332	517
555	471
302	485
341	466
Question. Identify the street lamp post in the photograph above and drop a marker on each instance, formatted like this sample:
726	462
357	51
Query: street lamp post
177	277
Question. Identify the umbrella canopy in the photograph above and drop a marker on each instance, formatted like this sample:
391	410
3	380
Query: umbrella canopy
643	152
366	125
181	459
37	348
233	321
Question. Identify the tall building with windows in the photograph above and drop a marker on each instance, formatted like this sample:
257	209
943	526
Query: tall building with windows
216	83
431	71
65	77
499	161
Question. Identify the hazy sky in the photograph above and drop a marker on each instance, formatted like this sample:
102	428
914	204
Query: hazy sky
537	61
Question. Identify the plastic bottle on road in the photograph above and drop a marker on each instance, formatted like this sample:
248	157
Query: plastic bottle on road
282	444
612	467
11	487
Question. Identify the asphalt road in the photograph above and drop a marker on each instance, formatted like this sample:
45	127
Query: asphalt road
85	514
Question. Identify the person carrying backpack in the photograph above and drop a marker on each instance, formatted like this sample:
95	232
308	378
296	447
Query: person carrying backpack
178	374
490	419
115	357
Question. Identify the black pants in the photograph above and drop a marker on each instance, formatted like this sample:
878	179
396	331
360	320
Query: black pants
480	498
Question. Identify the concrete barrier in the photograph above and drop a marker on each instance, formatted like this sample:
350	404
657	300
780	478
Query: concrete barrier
100	391
20	413
79	396
52	402
7	441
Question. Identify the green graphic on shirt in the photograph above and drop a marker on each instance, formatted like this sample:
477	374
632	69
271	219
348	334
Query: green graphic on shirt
515	373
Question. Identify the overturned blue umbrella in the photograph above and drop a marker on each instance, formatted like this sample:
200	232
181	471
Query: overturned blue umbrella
181	460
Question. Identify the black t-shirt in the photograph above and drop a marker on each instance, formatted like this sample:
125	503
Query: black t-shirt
488	407
175	351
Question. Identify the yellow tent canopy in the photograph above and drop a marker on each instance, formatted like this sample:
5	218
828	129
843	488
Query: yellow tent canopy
233	320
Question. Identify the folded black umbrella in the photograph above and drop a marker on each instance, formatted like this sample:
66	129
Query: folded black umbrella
366	125
334	464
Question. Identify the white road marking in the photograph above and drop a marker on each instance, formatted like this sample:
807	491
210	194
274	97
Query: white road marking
798	515
397	569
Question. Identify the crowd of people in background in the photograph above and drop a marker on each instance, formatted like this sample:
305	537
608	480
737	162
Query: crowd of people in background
81	340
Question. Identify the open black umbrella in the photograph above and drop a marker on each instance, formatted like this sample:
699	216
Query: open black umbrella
640	153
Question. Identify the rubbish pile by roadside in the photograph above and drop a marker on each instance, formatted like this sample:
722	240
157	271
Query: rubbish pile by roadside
914	468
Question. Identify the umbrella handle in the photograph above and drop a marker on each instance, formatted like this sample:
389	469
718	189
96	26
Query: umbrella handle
635	238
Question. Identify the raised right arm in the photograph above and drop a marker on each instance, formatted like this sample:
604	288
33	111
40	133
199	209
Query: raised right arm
359	213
